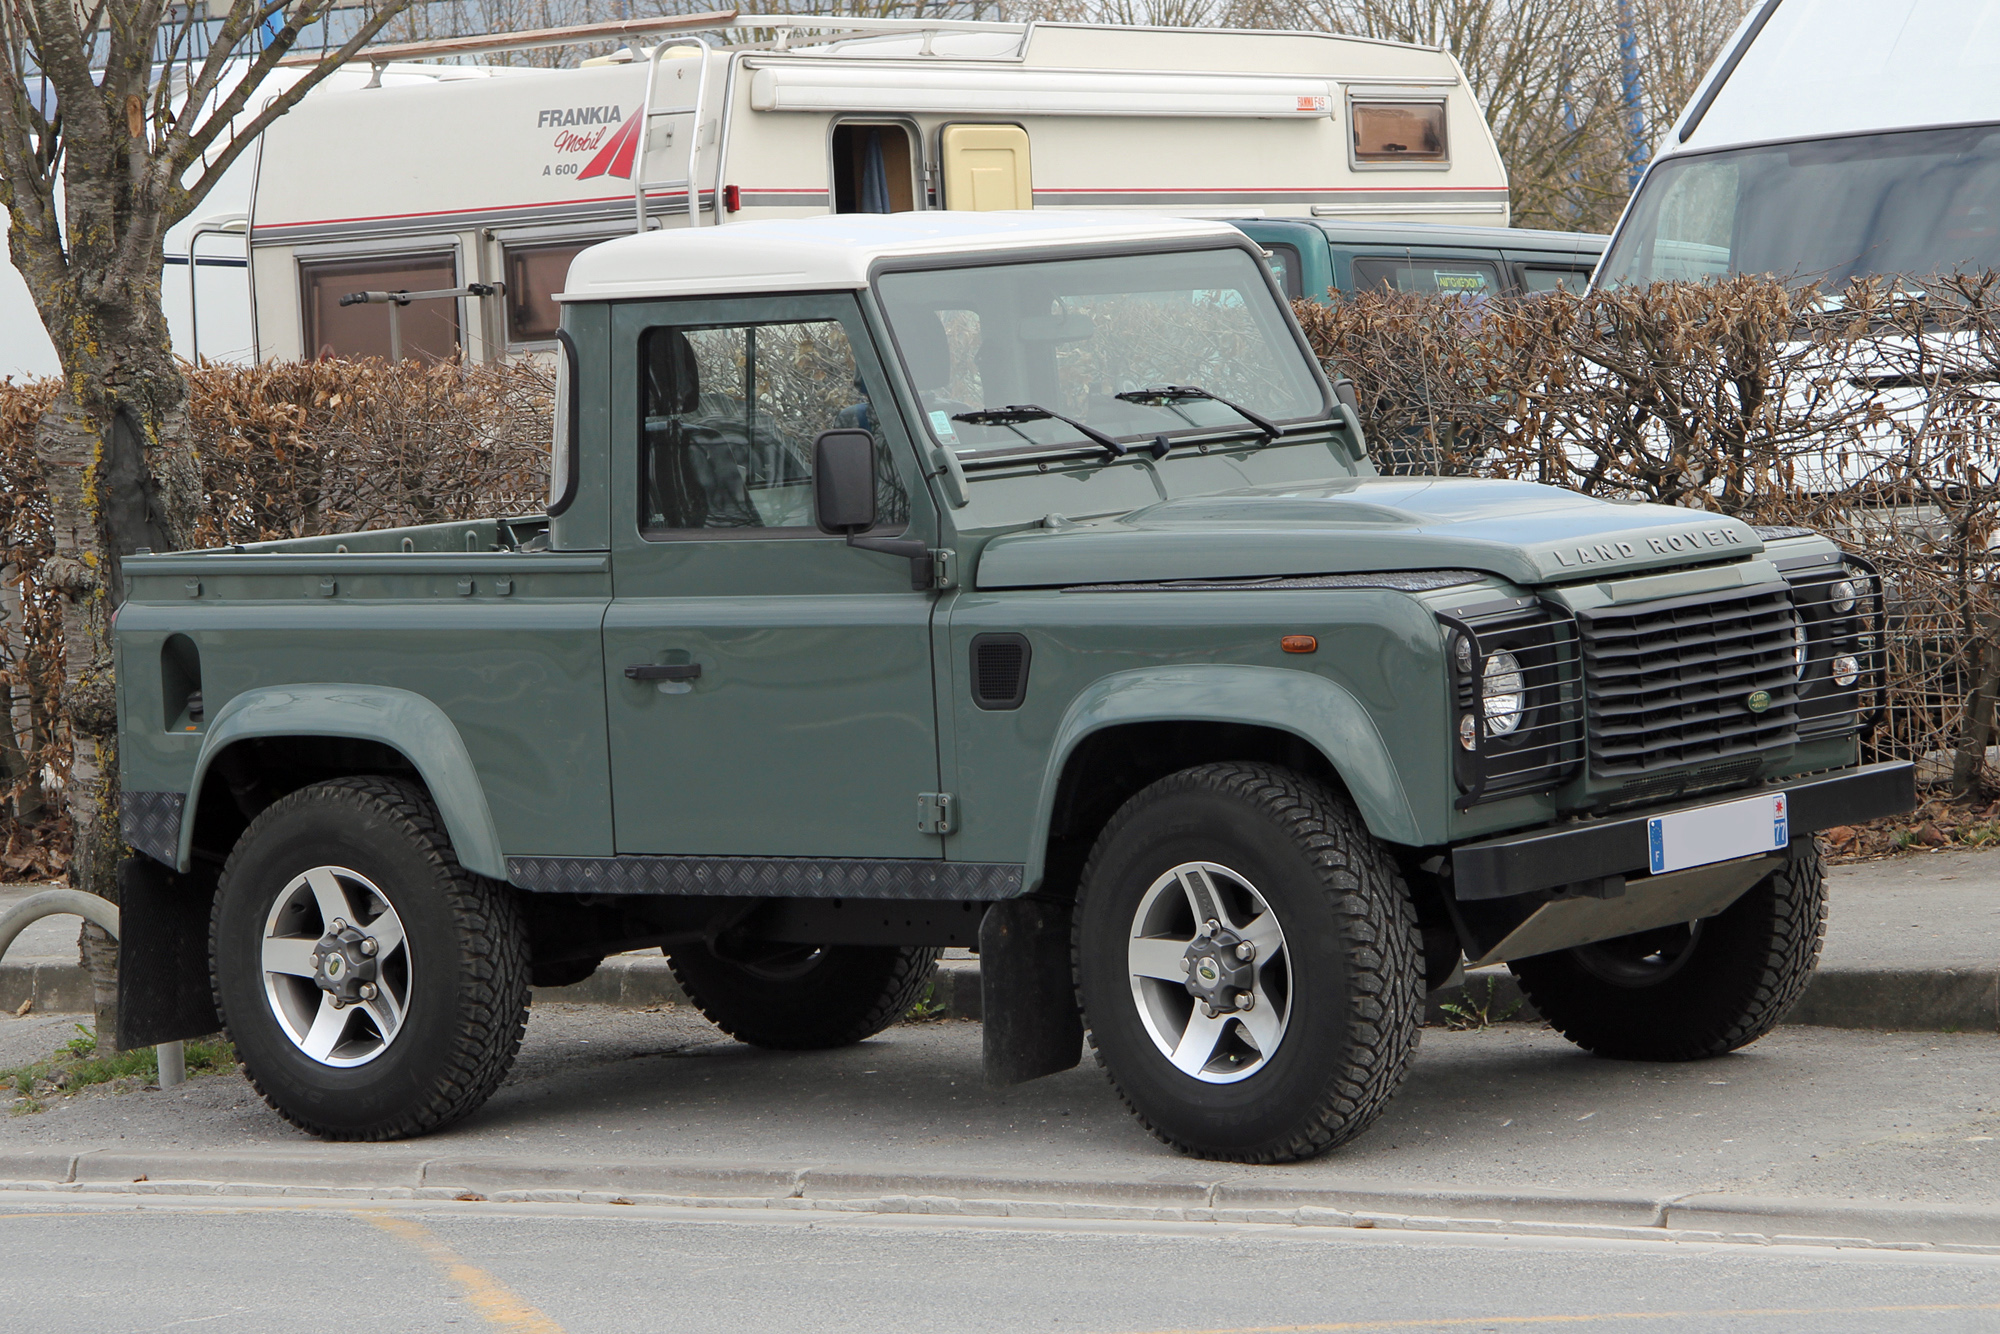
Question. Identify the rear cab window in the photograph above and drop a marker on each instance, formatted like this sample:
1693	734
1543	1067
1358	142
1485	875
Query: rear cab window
1469	278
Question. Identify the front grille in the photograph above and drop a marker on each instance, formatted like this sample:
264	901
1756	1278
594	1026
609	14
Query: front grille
1672	683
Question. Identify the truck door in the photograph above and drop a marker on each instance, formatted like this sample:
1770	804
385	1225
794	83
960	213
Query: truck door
795	716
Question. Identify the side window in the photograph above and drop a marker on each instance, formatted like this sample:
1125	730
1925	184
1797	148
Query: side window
731	413
1398	132
1539	279
1284	263
426	329
1445	277
534	275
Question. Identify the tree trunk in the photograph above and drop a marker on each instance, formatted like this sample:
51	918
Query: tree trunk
118	479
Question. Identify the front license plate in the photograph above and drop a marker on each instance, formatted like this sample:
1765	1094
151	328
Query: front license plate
1718	833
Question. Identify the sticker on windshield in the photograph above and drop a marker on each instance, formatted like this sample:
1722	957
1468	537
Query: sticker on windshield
941	425
1460	282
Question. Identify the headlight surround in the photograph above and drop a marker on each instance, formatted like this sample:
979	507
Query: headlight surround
1502	690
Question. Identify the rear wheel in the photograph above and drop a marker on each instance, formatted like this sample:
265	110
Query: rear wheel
1698	989
374	988
1248	964
805	997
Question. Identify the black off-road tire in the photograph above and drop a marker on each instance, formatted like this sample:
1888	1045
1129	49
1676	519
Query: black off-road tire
1355	961
1725	985
806	999
468	949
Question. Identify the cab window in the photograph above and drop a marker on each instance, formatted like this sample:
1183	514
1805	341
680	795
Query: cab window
1541	278
1284	262
730	416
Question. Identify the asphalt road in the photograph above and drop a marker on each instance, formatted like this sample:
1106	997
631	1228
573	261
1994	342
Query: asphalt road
544	1270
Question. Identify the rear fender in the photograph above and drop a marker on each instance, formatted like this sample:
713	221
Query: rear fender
1321	712
405	722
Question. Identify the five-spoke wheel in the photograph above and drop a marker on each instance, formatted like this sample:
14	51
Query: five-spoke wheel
1209	973
336	966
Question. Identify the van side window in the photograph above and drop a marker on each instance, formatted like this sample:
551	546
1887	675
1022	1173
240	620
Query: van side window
731	413
534	275
428	329
1284	262
1399	132
1540	278
872	169
1446	277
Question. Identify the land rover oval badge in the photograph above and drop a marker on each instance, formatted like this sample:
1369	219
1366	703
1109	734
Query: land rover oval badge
1758	701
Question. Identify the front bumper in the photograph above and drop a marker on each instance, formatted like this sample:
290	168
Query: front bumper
1602	850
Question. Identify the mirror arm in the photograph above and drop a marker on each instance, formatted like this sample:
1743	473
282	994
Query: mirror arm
922	564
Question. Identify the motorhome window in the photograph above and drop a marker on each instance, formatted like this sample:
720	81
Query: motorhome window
1070	335
1399	132
427	329
1912	202
730	415
1442	277
1284	262
872	169
534	275
1539	278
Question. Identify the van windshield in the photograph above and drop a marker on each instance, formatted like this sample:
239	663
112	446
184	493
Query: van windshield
1069	336
1912	202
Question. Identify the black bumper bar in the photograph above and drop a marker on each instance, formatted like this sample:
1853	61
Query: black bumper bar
1592	850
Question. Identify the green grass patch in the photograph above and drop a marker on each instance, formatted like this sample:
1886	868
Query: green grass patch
1469	1013
77	1065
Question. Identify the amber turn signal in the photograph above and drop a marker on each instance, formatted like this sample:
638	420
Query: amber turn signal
1299	644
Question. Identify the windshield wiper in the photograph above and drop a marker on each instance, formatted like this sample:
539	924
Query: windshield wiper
1160	395
1016	413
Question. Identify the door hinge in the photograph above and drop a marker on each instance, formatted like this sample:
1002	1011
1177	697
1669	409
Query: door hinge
935	813
944	567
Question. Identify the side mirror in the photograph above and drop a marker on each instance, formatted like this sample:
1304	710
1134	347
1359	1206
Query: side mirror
844	481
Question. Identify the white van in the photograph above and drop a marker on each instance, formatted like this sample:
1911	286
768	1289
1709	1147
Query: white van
1834	139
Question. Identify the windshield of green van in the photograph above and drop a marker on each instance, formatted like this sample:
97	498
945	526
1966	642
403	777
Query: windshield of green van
1069	336
1911	202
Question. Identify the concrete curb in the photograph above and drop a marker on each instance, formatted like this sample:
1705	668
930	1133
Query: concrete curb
1942	1000
368	1173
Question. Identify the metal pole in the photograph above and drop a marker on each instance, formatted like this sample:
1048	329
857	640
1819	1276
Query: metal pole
395	333
1628	65
104	913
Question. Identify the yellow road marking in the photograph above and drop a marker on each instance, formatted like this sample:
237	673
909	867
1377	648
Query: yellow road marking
493	1300
1451	1322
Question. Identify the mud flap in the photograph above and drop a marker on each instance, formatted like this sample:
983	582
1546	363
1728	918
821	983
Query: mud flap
163	987
1027	996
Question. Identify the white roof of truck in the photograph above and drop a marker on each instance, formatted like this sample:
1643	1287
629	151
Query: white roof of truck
838	251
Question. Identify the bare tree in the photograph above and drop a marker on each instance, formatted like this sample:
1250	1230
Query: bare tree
116	118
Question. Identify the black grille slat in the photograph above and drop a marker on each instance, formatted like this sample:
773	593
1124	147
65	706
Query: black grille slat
1668	685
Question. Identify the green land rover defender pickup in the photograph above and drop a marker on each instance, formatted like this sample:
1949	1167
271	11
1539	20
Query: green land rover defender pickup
1012	581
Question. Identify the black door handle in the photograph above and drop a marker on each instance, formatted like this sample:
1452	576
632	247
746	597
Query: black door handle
663	671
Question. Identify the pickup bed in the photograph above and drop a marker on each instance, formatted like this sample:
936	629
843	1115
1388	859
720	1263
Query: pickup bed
1012	581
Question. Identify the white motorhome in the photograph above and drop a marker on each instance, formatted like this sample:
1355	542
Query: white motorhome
1834	139
495	178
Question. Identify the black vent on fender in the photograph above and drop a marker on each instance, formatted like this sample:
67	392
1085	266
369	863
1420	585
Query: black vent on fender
1000	670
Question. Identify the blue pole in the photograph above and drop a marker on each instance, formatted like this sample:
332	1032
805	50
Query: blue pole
1628	64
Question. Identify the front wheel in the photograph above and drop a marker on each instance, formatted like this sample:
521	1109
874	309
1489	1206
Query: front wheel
373	987
1684	992
1248	964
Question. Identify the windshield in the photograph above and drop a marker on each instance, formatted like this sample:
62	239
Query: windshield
1069	336
1911	202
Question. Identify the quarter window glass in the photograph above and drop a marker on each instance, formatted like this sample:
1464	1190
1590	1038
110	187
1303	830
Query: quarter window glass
731	413
1553	280
1445	277
1284	262
1399	132
428	329
534	275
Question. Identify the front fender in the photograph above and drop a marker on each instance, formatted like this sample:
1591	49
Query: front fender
1321	712
406	722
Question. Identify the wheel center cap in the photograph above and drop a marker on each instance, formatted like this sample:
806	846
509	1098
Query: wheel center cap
1221	969
345	964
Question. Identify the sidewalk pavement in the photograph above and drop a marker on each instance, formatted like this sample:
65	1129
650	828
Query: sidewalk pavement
1912	944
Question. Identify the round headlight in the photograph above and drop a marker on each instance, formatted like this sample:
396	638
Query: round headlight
1846	670
1468	732
1462	651
1799	650
1501	688
1842	596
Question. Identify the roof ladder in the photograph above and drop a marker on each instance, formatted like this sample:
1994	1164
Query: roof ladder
647	113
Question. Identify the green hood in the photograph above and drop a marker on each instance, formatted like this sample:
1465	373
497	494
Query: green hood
1520	531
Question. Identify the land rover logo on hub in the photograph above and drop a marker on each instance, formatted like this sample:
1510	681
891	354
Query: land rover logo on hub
1758	701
